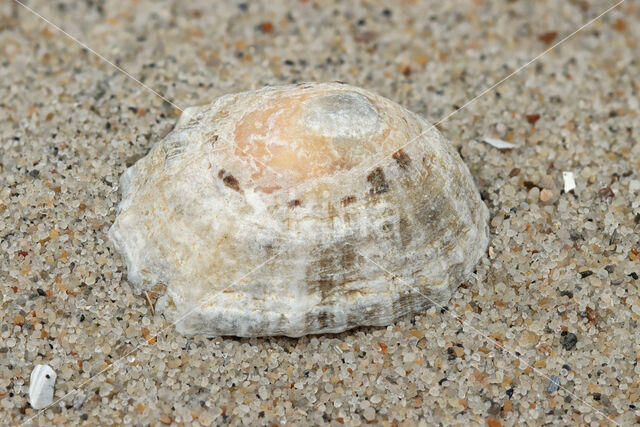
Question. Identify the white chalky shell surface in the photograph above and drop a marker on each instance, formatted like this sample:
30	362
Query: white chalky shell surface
195	216
41	384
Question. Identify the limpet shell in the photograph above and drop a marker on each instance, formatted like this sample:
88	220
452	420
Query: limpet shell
271	212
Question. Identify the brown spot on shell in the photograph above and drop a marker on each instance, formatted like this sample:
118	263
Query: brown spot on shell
294	203
320	273
402	159
348	200
378	181
348	257
323	316
324	286
229	180
321	319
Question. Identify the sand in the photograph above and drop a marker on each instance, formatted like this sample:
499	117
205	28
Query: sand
545	332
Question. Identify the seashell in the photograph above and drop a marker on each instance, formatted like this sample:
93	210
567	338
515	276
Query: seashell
271	212
41	385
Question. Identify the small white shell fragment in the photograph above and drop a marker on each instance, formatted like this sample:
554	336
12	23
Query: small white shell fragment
41	385
270	212
569	181
498	143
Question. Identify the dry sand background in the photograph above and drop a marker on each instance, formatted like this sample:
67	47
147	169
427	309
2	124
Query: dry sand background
558	289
